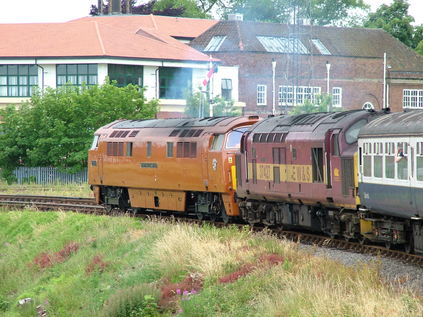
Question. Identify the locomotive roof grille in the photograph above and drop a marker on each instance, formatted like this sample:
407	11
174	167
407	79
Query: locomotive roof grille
169	123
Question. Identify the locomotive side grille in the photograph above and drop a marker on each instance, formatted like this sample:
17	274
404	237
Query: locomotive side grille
197	133
114	133
183	133
174	132
124	134
133	133
347	166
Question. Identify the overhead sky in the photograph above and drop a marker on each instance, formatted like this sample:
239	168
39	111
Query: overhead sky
30	11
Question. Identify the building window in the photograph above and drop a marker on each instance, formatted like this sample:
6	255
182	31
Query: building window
261	95
288	94
282	44
337	97
175	83
76	74
227	89
368	106
413	98
215	43
126	74
18	80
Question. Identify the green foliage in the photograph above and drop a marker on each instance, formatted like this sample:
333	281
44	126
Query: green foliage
321	12
395	20
191	10
137	301
221	106
322	104
57	127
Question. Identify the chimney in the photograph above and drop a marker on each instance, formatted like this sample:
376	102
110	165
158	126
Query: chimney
235	17
115	7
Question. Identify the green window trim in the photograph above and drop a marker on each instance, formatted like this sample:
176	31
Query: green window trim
18	80
76	74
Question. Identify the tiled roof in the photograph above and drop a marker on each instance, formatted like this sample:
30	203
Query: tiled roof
172	26
116	36
350	42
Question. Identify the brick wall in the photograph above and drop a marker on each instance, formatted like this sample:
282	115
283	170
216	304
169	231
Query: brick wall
360	78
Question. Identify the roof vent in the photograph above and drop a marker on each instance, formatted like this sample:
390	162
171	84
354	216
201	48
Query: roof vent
235	17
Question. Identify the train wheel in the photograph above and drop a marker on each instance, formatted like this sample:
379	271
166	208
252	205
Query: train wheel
388	245
200	215
225	217
409	246
108	208
363	240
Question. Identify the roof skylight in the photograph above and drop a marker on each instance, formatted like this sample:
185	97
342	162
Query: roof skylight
282	44
215	43
320	47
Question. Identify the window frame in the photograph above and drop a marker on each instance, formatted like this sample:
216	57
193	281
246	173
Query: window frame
18	80
261	95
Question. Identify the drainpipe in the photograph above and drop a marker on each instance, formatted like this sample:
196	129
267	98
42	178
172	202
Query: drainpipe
42	75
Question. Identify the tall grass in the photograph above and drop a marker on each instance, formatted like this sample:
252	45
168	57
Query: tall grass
118	266
57	189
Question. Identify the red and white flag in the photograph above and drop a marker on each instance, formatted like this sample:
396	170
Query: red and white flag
212	70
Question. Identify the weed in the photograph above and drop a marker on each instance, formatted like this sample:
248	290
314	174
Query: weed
137	301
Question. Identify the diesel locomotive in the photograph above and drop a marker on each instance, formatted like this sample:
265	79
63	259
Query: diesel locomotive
355	175
181	165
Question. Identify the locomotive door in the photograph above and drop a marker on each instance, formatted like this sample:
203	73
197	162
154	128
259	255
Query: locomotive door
204	163
214	163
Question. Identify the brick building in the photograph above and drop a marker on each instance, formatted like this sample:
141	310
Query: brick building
281	66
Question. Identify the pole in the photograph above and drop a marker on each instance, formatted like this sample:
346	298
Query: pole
328	84
273	86
384	81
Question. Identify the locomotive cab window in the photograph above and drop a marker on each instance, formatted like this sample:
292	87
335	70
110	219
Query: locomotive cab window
94	145
234	138
317	164
217	142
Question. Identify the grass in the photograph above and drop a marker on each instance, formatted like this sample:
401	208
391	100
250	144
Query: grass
81	265
66	190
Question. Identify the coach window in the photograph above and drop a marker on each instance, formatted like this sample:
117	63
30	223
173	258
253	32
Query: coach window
378	159
389	160
401	159
419	161
169	149
148	149
367	159
217	142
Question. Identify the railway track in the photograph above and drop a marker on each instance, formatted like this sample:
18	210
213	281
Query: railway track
89	206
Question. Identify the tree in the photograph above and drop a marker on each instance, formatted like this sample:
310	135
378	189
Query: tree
175	8
322	104
197	105
320	12
395	20
57	127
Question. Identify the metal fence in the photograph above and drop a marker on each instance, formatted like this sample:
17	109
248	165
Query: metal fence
48	175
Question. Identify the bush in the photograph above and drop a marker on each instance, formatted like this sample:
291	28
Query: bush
56	128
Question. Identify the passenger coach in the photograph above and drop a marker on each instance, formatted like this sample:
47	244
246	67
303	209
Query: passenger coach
391	177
